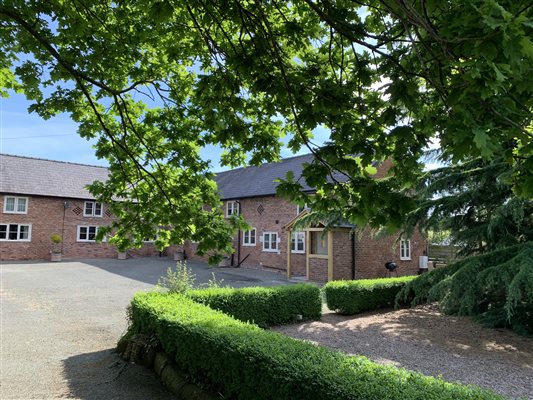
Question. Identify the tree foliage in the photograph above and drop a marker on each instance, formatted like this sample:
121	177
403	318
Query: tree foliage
475	204
155	81
496	287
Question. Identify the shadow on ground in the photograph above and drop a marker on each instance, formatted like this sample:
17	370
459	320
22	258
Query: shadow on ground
151	269
103	375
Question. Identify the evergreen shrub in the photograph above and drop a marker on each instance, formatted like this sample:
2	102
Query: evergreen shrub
496	288
242	361
353	297
264	306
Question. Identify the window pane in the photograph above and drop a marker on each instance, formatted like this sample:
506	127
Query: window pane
10	204
88	208
24	233
273	241
252	236
13	232
319	243
266	241
3	232
98	209
92	233
21	205
83	233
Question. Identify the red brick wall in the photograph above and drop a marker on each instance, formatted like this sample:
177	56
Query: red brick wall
48	216
276	213
342	255
373	252
318	269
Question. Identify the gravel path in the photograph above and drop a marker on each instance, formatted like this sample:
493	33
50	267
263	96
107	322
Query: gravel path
424	340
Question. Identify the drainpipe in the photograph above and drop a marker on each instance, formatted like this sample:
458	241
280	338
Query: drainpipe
239	238
66	205
352	234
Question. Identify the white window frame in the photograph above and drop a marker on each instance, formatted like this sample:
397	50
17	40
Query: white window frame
18	233
295	235
16	205
78	231
233	206
405	249
300	210
93	214
248	242
150	240
270	242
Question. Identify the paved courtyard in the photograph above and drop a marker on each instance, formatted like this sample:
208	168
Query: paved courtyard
61	321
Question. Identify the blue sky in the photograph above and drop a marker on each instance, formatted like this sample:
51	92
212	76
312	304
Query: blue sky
25	134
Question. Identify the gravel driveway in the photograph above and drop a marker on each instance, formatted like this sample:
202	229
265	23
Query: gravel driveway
61	321
423	340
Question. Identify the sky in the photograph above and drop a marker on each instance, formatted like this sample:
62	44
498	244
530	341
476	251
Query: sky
25	134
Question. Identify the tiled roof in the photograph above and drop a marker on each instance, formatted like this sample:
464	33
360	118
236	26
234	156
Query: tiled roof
259	181
35	176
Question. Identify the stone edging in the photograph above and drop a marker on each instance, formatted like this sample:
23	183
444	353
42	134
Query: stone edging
141	350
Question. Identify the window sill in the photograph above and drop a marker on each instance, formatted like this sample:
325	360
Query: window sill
323	256
248	245
16	240
271	251
405	259
16	212
297	252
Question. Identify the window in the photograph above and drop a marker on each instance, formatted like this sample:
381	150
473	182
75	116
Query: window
15	205
405	249
270	241
298	242
92	209
232	208
300	208
248	238
15	232
319	243
87	233
150	239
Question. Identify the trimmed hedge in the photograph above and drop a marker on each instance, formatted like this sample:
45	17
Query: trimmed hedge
242	361
353	297
264	306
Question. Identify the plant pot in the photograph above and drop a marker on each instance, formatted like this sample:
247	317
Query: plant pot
122	255
55	257
179	255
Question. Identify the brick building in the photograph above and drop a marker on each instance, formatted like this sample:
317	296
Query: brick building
340	253
39	198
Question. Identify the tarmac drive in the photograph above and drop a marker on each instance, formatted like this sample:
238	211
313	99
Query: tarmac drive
61	321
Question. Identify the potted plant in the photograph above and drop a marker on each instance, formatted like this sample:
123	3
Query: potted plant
122	255
55	253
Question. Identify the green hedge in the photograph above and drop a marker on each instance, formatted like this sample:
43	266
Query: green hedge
352	297
264	306
242	361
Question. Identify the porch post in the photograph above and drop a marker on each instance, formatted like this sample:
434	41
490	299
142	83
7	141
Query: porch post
289	234
330	255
